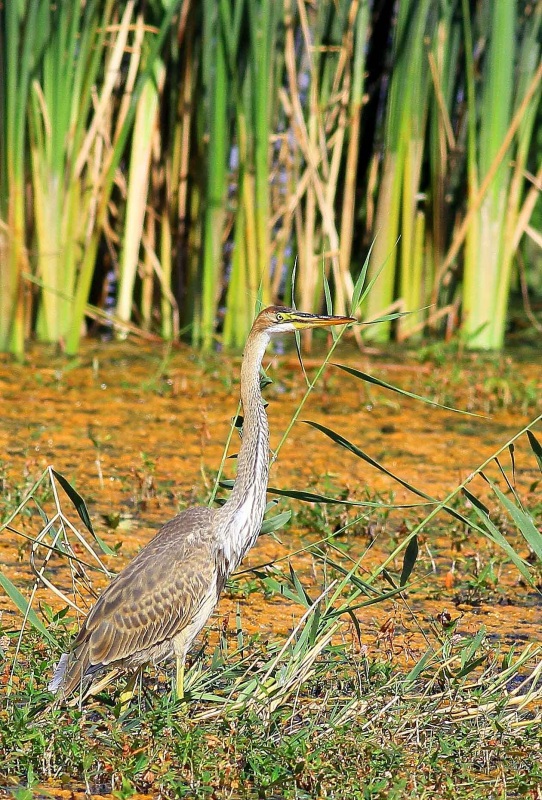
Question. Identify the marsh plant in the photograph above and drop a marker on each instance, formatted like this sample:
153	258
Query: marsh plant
321	708
177	157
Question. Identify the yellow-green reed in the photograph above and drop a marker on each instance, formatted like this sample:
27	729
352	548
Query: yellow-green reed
208	147
397	205
18	30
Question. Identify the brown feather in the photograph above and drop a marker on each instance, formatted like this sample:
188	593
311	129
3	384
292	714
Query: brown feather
150	601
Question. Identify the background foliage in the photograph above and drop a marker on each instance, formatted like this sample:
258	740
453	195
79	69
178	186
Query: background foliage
163	162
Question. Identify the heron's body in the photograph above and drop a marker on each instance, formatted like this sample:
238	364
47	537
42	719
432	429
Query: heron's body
161	600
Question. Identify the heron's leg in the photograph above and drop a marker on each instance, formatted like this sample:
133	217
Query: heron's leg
179	648
179	677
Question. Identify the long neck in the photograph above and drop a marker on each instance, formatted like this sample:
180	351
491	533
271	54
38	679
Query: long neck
240	518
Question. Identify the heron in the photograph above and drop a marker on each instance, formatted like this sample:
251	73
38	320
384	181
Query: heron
157	605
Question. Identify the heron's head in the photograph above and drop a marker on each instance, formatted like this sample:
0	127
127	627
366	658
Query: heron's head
279	319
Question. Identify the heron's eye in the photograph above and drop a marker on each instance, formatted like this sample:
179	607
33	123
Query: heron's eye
279	317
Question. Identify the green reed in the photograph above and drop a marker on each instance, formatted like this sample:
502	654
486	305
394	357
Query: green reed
209	150
18	32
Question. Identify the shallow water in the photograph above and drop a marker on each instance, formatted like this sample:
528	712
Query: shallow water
140	431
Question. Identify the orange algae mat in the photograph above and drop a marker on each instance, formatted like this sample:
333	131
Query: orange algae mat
140	431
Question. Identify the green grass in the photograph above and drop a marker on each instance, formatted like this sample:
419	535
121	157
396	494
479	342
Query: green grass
316	713
358	728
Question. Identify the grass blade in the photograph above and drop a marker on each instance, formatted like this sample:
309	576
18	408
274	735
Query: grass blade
525	524
81	508
363	376
494	533
273	524
77	500
340	440
22	604
411	555
357	451
312	497
536	447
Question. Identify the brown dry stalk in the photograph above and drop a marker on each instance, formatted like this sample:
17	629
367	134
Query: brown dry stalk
112	73
441	102
343	281
527	208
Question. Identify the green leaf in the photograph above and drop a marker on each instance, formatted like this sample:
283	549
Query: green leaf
300	357
471	647
23	606
511	450
418	668
388	317
526	526
476	502
470	666
327	291
279	587
493	533
357	296
350	577
303	595
41	512
81	508
373	601
77	500
363	376
329	303
409	560
536	447
274	523
340	440
311	497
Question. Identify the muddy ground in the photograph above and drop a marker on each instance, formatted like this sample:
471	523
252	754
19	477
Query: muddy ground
140	429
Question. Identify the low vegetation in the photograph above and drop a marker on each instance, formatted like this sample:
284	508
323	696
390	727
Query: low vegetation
464	721
415	706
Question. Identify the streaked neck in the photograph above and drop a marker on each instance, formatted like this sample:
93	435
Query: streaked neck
240	518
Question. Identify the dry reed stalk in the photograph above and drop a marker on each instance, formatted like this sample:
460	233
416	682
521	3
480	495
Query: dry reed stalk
343	284
145	123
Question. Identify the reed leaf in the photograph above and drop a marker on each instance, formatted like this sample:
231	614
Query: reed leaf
26	610
409	560
489	240
378	382
18	32
261	158
405	126
215	189
112	159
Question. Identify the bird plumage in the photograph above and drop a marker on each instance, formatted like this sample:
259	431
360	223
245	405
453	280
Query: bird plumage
153	599
162	599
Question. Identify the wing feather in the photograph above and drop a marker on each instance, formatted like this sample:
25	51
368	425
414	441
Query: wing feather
151	600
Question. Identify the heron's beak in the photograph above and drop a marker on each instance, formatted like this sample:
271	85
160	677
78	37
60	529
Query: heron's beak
302	321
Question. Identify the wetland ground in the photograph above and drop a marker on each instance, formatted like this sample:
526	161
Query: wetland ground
405	698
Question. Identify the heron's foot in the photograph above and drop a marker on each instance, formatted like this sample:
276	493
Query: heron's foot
129	692
98	686
95	688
